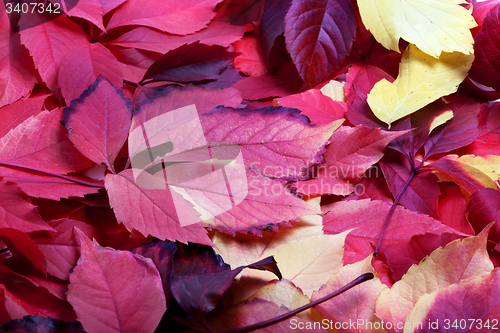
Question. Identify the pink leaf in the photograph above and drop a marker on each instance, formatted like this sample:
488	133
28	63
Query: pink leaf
40	142
49	43
16	211
250	61
109	5
452	208
367	218
320	109
23	247
17	75
17	112
175	17
82	65
98	123
489	139
115	291
319	35
89	10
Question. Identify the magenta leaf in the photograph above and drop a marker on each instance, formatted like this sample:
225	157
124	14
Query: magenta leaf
319	35
34	324
452	208
23	247
423	192
483	208
190	62
485	68
489	139
128	286
82	65
98	122
16	211
17	112
40	143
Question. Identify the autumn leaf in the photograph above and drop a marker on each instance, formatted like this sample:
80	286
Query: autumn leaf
434	28
422	79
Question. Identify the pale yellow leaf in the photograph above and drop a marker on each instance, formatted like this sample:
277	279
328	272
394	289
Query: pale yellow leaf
310	262
434	26
334	90
488	165
455	262
422	79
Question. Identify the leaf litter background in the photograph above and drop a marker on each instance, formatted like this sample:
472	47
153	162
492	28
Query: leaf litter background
346	114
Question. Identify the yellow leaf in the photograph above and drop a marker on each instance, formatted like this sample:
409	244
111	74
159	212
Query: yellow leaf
434	26
488	165
441	119
422	79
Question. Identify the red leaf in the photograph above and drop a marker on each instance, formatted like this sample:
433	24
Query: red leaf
98	122
217	33
485	68
127	286
16	67
49	43
360	80
319	35
33	324
190	62
489	139
40	143
180	18
352	150
109	5
16	211
23	247
250	61
17	112
320	109
239	12
82	65
367	218
451	208
422	194
483	208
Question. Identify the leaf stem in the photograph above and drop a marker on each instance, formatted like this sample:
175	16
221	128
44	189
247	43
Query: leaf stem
391	211
130	83
68	178
360	279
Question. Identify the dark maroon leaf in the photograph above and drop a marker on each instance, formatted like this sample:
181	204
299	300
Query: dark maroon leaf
37	324
319	35
272	26
190	62
486	66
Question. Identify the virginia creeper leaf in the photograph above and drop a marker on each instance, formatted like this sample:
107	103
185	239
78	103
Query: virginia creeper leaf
180	18
485	68
250	61
457	261
98	122
82	65
32	324
319	35
357	304
484	208
190	62
434	27
16	70
23	247
451	208
89	10
40	143
128	286
422	79
14	114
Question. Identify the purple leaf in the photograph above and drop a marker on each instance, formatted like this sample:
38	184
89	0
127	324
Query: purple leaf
319	35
